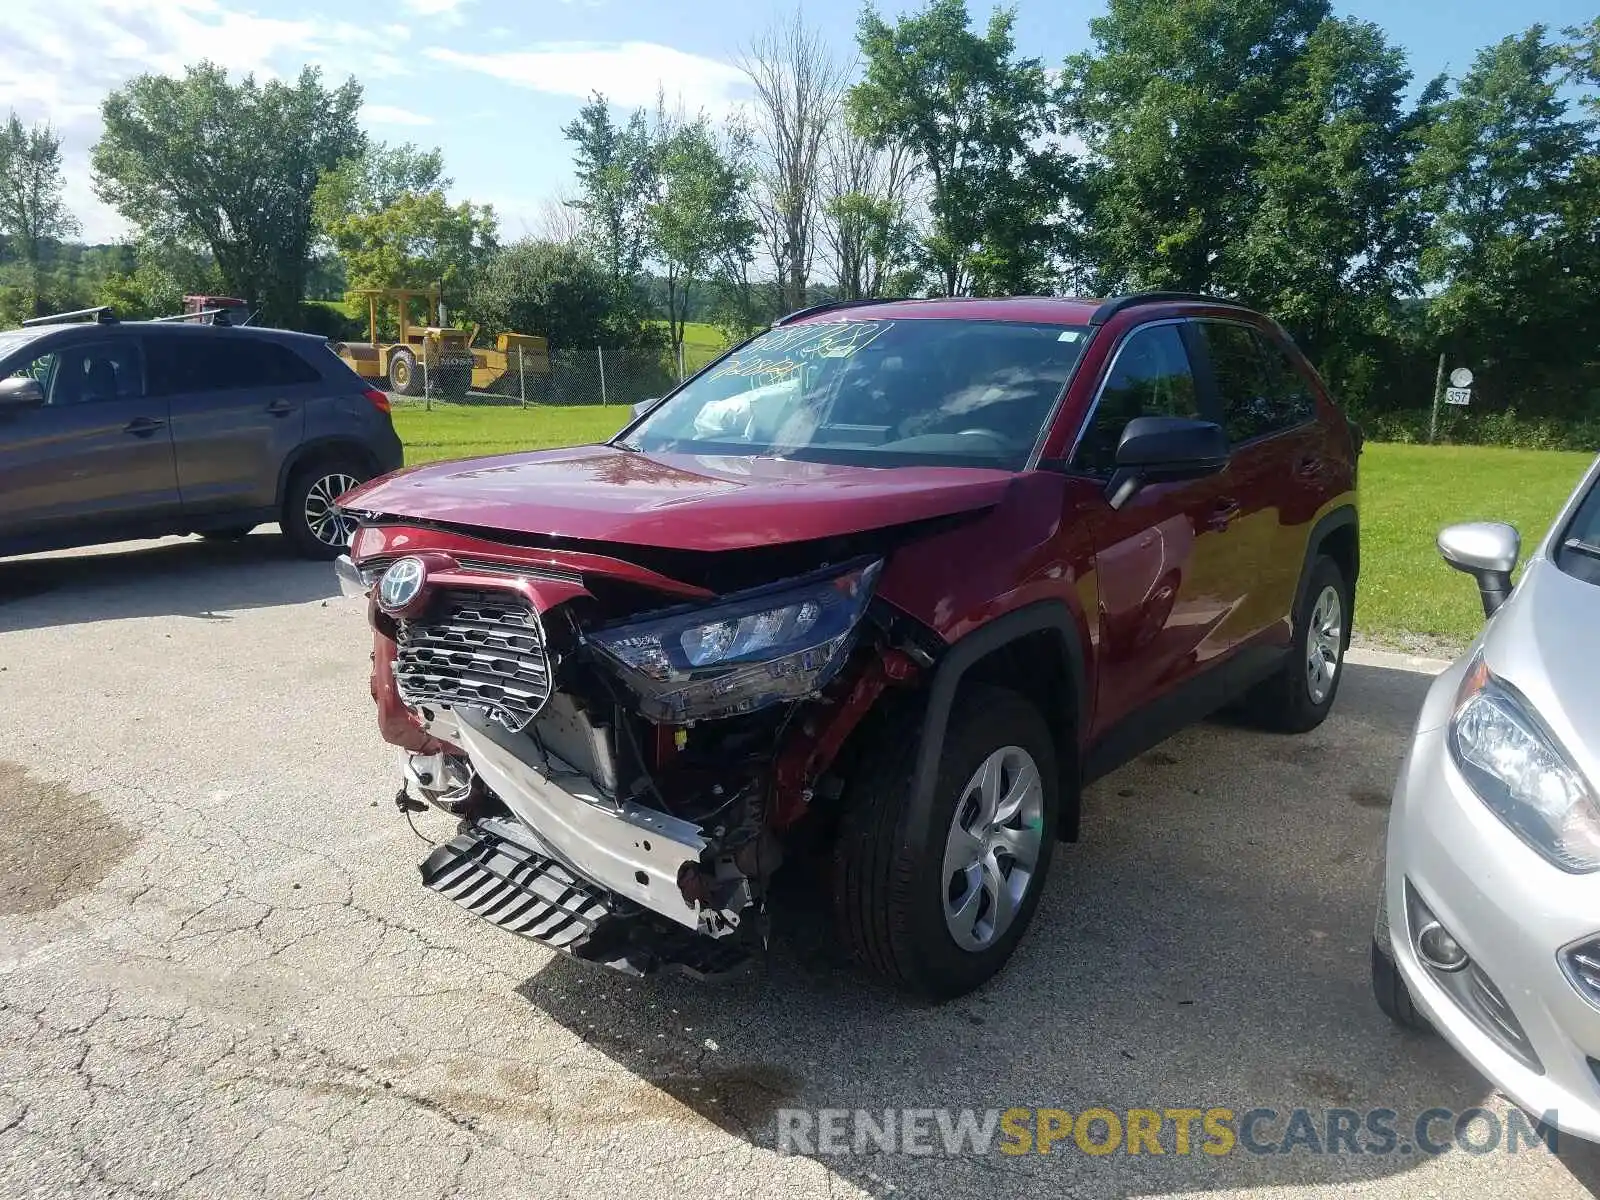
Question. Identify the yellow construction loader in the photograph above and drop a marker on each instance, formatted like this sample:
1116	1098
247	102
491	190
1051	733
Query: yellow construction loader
436	358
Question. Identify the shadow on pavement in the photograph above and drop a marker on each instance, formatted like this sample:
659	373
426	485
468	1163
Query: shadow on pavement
1204	946
191	577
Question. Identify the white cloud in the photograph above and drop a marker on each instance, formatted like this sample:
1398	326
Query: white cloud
627	73
62	58
389	114
446	13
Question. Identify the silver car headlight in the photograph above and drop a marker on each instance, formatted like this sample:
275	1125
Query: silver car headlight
754	649
1520	771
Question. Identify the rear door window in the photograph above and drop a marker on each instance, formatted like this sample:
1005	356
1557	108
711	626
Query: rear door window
1150	377
180	364
1261	391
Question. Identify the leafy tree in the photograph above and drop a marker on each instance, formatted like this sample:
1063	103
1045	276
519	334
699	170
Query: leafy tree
230	167
982	123
387	215
1510	176
551	288
1172	103
616	168
867	225
31	208
699	219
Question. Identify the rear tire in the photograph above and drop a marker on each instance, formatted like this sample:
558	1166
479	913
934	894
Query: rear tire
310	521
900	905
1299	695
404	377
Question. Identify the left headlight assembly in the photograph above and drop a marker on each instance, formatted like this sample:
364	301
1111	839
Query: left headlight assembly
754	649
1520	771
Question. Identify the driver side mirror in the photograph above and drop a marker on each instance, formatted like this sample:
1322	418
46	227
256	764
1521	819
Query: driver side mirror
1486	550
644	406
1162	450
20	391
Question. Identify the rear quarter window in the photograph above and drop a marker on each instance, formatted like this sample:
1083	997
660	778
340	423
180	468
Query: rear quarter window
219	364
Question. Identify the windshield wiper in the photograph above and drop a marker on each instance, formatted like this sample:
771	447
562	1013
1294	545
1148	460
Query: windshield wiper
1592	549
628	446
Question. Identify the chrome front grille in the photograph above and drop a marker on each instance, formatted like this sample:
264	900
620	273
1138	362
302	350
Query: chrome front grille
477	649
1583	968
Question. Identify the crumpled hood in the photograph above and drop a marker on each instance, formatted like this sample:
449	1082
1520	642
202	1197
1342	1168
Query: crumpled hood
677	501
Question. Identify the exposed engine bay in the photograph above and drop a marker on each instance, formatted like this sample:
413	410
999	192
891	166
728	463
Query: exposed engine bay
627	752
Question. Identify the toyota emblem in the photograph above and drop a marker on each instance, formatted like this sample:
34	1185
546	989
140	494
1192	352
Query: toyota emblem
401	584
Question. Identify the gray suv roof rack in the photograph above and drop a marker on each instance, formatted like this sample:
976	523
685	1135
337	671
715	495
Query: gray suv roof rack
1110	308
102	315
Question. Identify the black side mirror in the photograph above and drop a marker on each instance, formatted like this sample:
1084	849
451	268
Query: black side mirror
21	391
1486	550
644	406
1164	449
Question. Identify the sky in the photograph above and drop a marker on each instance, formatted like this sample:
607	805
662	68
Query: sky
492	82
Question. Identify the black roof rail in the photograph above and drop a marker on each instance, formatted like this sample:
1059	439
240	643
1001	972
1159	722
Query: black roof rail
813	309
102	315
1110	308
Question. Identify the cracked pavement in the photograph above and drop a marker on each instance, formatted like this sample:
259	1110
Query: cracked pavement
220	977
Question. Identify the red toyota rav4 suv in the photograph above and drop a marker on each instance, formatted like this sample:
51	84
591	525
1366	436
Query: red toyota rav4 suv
881	589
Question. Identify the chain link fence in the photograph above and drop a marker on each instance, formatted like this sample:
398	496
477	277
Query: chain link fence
597	376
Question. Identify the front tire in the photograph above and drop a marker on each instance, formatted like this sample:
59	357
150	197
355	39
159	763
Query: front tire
312	523
1300	694
937	907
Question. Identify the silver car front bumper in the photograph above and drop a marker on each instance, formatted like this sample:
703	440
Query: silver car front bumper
1514	913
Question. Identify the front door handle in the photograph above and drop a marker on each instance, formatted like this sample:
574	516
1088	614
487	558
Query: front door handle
1222	514
143	426
281	408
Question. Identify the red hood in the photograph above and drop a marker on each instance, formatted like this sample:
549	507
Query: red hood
680	501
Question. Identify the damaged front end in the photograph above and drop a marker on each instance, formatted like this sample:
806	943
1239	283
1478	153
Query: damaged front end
627	752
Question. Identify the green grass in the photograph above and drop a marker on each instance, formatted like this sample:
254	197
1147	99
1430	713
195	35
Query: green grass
702	342
1408	493
469	431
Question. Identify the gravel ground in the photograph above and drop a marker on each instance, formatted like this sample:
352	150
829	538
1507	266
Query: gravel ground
219	976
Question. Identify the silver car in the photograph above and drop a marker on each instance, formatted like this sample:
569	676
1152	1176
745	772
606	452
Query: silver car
1489	914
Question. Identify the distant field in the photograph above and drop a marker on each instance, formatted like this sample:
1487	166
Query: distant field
701	344
1408	493
467	431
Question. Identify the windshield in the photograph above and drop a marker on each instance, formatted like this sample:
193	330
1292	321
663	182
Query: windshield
875	393
1577	551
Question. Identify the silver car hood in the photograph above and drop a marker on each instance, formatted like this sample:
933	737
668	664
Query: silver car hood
1545	642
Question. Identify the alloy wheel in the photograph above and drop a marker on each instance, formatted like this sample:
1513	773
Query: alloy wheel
992	848
327	524
1324	644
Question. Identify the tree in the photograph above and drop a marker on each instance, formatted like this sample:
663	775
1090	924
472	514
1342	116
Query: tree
699	219
387	215
616	171
199	161
1509	174
31	209
1331	227
983	124
1171	104
866	227
799	86
550	288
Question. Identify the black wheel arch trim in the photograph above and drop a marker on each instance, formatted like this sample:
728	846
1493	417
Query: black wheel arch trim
1042	616
324	447
1340	518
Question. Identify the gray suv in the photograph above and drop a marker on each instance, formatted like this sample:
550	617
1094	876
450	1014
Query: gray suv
111	430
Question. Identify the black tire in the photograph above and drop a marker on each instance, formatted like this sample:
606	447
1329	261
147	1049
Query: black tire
236	534
888	894
305	499
1391	993
404	377
1285	702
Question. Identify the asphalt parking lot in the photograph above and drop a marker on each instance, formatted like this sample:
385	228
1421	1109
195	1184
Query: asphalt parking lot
219	976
